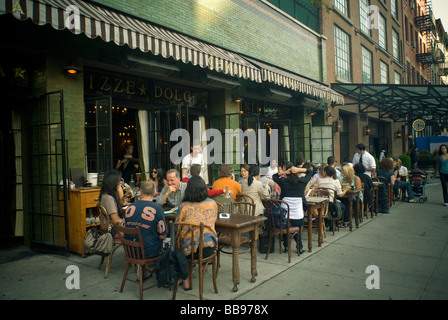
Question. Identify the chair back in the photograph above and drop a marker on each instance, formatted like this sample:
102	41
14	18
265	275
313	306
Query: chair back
104	217
185	229
326	193
242	197
134	249
245	208
274	204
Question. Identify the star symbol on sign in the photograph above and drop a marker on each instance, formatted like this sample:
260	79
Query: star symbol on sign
142	90
19	73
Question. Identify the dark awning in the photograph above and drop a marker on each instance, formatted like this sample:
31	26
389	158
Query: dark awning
396	101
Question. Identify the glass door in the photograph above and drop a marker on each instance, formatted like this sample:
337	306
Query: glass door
98	126
47	165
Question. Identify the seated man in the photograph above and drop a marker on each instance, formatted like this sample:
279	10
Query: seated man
149	217
226	181
173	193
195	170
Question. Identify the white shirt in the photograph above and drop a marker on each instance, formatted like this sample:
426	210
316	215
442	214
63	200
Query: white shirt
271	172
330	183
367	160
189	160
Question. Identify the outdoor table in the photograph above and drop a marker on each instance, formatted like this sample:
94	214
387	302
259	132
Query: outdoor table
236	225
313	204
350	195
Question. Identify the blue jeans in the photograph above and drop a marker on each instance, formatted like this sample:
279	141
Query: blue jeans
298	236
407	186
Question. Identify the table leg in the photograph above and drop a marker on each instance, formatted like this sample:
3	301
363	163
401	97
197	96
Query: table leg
253	252
235	265
357	209
319	226
350	204
310	229
376	202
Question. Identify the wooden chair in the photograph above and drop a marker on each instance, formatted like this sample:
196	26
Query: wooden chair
135	255
289	231
242	197
198	259
104	225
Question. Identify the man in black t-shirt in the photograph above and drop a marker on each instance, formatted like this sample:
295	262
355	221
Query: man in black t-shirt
150	218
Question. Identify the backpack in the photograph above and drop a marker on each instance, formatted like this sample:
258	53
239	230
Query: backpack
98	242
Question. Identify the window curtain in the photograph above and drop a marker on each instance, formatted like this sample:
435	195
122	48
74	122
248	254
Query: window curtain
143	143
202	128
17	133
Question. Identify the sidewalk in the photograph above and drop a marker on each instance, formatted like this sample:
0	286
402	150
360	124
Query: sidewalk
408	246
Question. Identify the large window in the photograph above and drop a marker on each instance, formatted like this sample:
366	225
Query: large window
342	54
395	45
364	16
341	5
366	60
397	77
302	10
384	72
382	35
394	9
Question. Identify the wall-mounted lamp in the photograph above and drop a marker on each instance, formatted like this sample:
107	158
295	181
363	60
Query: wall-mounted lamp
367	130
410	136
329	115
71	70
398	134
337	125
236	98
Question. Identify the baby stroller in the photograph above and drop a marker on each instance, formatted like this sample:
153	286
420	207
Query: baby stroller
418	178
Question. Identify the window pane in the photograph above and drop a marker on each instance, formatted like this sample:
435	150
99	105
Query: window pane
342	54
366	60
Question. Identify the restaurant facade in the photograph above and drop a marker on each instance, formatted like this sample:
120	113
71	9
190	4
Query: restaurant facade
82	78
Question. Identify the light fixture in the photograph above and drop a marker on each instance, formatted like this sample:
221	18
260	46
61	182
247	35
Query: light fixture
367	130
236	98
71	70
329	115
398	134
312	113
410	136
337	125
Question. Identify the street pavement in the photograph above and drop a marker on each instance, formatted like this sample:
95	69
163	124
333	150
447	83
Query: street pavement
398	256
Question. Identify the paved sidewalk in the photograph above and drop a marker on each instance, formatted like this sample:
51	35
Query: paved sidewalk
408	247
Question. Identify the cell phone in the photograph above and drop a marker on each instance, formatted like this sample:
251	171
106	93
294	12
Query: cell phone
224	215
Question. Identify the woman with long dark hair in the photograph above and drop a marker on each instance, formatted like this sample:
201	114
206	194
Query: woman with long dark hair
111	196
197	207
157	177
442	169
293	192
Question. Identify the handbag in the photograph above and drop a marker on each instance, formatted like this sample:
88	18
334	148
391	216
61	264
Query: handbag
334	211
98	242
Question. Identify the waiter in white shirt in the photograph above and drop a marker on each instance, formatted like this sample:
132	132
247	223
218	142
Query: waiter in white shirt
365	158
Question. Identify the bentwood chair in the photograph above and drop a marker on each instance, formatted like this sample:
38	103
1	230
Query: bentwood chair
135	255
196	257
105	225
290	231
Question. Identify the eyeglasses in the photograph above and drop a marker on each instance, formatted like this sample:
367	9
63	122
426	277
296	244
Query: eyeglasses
154	171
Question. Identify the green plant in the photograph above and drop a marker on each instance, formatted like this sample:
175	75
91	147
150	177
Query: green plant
424	155
405	160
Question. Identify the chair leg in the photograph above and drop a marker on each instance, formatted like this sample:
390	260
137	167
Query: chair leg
201	282
215	275
125	276
101	262
269	246
141	272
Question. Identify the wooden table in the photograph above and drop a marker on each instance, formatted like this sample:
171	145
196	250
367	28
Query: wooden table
315	203
235	226
350	195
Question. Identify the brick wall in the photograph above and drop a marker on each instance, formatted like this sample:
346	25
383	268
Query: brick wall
254	28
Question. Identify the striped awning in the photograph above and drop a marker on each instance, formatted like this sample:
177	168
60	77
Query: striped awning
295	82
94	21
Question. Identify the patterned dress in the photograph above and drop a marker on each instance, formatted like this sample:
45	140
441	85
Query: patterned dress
197	212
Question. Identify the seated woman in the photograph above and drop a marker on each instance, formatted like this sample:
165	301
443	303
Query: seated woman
349	180
368	184
196	207
244	172
293	192
111	197
158	180
254	188
386	170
